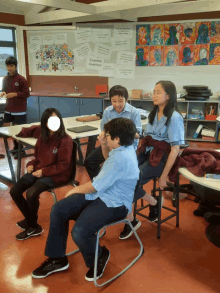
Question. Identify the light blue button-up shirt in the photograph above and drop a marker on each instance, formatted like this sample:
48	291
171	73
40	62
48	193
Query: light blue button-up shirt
116	182
129	112
173	133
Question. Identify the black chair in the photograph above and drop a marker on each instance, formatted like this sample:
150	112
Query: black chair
175	188
71	180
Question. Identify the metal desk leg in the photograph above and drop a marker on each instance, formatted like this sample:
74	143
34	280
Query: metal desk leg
81	159
13	180
91	144
177	199
19	161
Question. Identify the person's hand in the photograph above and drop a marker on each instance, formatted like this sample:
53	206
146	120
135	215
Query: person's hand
10	95
162	182
69	193
2	94
37	174
30	169
102	138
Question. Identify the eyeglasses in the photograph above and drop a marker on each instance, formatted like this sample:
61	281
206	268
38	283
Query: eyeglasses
107	134
158	93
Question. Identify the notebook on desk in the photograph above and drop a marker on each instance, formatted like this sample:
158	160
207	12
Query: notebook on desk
83	128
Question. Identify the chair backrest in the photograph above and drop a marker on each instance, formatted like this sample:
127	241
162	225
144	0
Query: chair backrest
74	155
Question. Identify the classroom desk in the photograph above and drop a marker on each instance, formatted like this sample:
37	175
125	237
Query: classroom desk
11	131
212	231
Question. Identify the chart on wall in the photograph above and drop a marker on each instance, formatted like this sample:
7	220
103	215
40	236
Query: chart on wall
87	50
178	44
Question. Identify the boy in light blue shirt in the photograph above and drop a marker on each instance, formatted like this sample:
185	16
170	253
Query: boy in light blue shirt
120	108
92	205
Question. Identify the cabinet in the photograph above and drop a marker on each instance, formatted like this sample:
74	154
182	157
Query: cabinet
184	106
33	110
68	107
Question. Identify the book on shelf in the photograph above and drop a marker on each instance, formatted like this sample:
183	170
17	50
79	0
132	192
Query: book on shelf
198	130
212	176
208	132
208	138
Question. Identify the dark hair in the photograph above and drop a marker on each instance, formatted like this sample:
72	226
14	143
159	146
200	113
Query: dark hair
123	128
45	132
118	90
171	106
11	61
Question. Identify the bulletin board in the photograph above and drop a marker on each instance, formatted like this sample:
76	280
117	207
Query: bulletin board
102	50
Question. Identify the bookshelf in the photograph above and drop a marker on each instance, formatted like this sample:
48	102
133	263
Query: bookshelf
184	106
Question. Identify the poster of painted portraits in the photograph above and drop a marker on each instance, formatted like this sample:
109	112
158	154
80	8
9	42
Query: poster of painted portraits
178	44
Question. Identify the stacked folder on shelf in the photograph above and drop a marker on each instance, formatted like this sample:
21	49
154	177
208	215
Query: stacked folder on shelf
207	133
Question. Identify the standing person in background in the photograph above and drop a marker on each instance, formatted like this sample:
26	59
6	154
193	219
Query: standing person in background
119	109
15	87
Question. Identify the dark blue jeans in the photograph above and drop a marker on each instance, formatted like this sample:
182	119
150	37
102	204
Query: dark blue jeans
89	216
148	171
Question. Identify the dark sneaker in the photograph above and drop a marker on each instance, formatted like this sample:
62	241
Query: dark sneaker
102	262
153	215
212	218
127	232
22	224
50	266
29	232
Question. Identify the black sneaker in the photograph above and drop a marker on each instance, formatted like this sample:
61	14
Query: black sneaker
102	262
50	266
212	218
127	232
22	224
153	215
29	232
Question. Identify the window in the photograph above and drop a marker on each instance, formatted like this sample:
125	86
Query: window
7	48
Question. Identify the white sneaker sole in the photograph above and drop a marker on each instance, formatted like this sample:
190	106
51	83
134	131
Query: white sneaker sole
98	277
55	271
129	235
32	235
162	200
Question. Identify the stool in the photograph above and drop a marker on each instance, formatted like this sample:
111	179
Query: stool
175	213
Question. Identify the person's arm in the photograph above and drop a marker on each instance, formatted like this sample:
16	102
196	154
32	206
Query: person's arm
137	121
104	120
35	160
64	155
84	189
169	164
23	92
137	136
104	144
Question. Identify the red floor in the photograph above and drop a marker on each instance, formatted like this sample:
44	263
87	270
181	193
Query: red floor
183	260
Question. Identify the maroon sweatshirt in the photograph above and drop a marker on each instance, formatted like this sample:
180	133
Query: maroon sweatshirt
54	158
16	84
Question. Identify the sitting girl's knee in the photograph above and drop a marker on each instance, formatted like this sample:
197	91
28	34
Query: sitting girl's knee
77	235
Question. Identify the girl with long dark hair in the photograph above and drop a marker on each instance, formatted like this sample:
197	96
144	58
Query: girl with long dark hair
160	147
51	166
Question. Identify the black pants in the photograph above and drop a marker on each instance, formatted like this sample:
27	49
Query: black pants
148	171
34	186
93	161
89	216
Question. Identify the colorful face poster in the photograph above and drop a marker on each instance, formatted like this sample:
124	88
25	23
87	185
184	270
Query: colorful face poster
187	33
156	56
214	54
171	56
142	55
186	55
143	35
202	32
172	34
201	54
157	34
215	32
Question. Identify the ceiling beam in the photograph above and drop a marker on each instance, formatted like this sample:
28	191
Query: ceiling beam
34	11
174	9
68	5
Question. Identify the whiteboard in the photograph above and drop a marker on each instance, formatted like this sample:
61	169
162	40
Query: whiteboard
102	50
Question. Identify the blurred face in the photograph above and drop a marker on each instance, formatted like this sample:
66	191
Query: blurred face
53	123
11	69
118	103
160	97
112	144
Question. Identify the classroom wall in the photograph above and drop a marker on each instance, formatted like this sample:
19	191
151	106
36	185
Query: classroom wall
14	19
